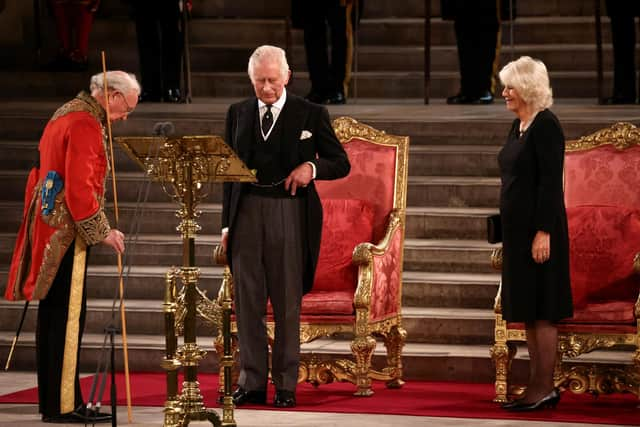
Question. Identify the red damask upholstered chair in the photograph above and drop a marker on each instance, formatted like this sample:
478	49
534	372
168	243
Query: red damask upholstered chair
602	196
358	284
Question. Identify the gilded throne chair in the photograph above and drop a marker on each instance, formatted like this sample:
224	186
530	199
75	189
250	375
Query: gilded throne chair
602	198
357	290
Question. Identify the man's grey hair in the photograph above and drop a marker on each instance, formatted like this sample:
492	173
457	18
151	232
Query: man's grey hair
119	81
268	53
530	79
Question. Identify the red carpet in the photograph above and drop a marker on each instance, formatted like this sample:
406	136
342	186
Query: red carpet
438	399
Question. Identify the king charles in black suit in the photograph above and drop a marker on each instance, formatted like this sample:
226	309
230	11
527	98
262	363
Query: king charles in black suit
271	229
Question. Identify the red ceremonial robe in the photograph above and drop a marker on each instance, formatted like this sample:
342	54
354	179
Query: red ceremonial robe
73	145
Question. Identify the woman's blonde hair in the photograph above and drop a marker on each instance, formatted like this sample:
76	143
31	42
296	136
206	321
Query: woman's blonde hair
530	79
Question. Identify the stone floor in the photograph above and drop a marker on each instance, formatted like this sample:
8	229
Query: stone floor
26	415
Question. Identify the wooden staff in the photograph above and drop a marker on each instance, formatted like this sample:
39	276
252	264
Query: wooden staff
117	216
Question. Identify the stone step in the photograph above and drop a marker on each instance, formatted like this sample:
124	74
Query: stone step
160	218
420	289
388	84
224	58
467	160
385	31
435	124
421	361
451	256
448	222
372	8
433	255
422	190
449	290
146	317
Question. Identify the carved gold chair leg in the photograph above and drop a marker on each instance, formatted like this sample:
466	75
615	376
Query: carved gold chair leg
502	354
394	342
362	348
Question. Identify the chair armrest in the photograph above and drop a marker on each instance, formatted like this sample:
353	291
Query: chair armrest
379	287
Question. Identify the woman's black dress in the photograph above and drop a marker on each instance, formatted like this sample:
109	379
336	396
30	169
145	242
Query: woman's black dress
532	199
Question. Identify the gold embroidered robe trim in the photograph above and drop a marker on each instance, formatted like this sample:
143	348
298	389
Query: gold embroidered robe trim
70	359
58	244
94	229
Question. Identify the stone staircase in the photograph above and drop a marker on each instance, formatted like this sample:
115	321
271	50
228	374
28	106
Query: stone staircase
449	286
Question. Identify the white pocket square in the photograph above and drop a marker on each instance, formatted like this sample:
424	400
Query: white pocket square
305	135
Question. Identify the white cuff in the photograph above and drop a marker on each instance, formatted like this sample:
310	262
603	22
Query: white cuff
313	167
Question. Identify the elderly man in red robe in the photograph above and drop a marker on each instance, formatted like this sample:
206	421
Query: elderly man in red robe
63	217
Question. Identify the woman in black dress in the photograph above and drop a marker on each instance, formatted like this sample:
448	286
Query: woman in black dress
535	272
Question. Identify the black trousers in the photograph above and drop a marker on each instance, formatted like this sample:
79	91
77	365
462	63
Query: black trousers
326	71
623	37
477	39
160	44
50	338
268	247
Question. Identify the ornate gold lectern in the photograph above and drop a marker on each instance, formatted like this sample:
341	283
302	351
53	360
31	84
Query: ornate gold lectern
182	165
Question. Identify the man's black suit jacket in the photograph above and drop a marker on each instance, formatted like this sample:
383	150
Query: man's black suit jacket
322	148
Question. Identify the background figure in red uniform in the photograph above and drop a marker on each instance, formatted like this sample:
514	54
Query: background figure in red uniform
73	25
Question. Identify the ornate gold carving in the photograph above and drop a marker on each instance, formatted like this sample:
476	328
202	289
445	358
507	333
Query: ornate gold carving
94	229
83	102
496	258
621	135
573	345
58	244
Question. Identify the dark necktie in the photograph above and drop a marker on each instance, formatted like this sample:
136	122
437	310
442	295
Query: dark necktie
267	120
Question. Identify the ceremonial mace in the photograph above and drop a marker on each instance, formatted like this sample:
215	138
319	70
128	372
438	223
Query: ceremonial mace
123	319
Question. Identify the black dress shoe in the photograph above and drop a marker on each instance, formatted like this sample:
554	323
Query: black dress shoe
255	397
91	416
70	418
172	95
336	99
461	98
548	401
619	100
284	399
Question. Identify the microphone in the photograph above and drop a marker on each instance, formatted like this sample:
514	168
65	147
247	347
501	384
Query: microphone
163	129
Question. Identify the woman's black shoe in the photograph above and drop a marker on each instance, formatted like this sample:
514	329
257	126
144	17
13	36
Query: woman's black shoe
548	401
511	404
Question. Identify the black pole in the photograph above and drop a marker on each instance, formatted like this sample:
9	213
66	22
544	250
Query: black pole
15	339
114	418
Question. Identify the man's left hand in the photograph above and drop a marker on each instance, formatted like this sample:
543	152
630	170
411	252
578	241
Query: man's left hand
299	177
